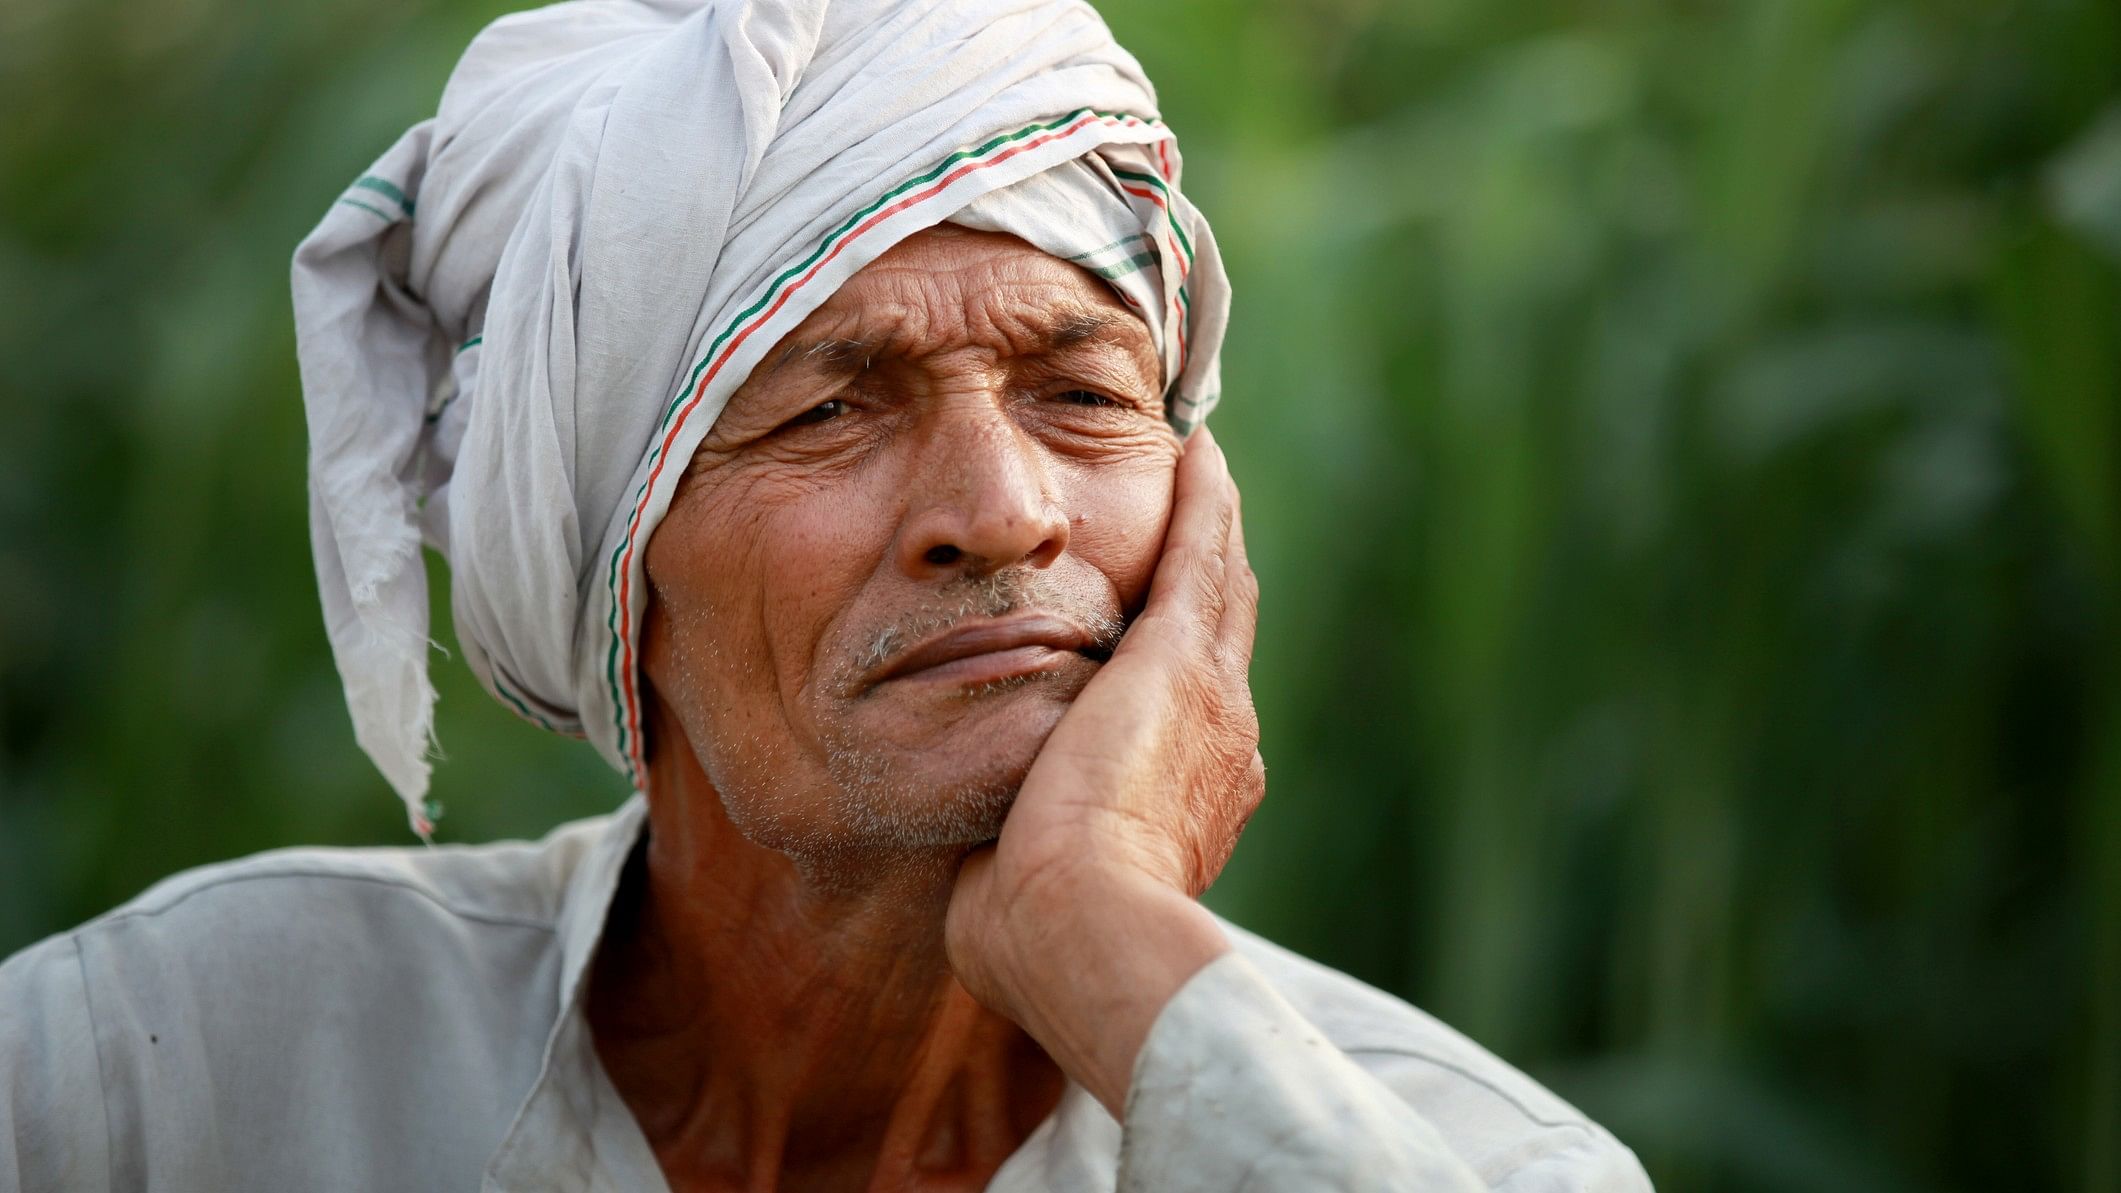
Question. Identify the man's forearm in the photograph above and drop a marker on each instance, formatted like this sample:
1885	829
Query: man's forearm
1097	956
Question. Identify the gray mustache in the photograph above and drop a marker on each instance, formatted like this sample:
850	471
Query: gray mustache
994	595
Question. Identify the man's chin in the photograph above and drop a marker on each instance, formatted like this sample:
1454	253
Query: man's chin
916	801
948	785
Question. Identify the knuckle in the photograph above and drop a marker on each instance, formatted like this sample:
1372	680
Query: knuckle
1210	555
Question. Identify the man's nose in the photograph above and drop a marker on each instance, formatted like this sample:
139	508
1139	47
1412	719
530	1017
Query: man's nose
980	498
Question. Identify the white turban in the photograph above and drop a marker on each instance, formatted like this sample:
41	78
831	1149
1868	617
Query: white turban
516	327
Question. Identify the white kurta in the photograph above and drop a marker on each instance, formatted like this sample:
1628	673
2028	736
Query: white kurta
413	1019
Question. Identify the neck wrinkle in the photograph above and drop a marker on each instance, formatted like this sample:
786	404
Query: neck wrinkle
768	1032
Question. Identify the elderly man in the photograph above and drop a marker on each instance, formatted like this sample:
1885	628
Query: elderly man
806	399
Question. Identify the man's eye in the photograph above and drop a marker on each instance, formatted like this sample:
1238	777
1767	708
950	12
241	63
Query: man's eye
822	412
1085	397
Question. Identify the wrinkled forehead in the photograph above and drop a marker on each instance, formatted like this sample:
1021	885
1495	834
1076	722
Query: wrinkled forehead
964	297
949	284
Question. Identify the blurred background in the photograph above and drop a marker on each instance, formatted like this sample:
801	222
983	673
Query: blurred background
1680	442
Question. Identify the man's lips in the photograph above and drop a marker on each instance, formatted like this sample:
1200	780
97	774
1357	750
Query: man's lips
980	652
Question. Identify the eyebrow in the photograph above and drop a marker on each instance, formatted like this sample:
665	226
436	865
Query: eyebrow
847	356
1078	328
836	355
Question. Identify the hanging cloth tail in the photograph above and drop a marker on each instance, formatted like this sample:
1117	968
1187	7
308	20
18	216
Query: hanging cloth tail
370	358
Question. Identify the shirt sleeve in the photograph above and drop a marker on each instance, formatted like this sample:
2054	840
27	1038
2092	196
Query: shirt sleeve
1235	1091
52	1129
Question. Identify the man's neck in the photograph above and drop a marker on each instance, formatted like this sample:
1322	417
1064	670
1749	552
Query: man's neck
770	1033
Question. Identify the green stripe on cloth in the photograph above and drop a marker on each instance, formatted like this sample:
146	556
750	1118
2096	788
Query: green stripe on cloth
1132	264
1122	242
377	212
522	710
1171	217
385	187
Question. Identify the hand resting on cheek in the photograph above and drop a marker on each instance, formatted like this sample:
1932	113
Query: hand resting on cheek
1131	809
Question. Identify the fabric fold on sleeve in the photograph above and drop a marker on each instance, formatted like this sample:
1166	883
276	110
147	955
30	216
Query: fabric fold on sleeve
1235	1091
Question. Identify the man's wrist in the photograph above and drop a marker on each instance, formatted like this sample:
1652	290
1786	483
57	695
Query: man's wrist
1094	957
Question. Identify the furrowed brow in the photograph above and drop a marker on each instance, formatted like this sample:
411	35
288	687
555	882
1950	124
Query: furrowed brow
1100	334
848	356
837	356
1079	327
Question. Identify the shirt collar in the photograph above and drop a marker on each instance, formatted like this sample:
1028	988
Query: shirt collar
586	904
571	1114
575	1131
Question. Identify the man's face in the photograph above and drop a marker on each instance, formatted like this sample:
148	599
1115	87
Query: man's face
906	545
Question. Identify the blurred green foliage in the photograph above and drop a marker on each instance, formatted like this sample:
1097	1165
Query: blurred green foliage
1680	441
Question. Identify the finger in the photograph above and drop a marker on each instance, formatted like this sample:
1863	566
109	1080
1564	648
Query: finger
1187	587
1240	621
1239	803
1255	788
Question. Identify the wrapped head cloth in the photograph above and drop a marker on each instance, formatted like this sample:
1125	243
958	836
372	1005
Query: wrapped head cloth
515	328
